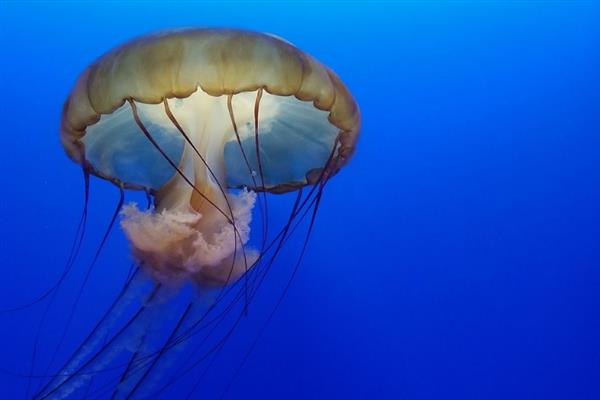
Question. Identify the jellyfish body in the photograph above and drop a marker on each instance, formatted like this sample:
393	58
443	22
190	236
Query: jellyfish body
207	121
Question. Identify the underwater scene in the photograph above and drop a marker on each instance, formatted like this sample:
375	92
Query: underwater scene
300	200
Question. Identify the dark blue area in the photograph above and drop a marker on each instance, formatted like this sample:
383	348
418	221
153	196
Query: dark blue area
456	257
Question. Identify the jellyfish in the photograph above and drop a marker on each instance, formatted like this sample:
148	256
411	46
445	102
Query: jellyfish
210	124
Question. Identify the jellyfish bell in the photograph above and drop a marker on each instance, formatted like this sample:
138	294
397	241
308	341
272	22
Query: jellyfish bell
208	122
204	101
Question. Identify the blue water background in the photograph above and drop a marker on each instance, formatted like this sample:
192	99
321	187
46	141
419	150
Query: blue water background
456	257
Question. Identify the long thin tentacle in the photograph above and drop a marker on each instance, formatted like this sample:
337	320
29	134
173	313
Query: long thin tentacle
102	327
92	365
88	273
279	300
75	247
215	349
162	351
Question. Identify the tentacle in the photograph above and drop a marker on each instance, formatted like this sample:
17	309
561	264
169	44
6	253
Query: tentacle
132	292
247	162
168	352
148	349
314	205
139	326
262	204
148	362
199	355
75	247
299	211
259	94
135	358
88	274
281	296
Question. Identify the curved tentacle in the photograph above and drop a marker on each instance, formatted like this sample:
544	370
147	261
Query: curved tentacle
78	365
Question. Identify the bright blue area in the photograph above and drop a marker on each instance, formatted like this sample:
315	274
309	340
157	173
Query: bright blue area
456	257
124	152
289	150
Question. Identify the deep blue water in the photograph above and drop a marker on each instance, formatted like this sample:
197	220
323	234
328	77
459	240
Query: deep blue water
456	257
